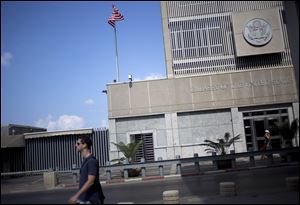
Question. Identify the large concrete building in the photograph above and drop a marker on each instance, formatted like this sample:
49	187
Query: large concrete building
229	69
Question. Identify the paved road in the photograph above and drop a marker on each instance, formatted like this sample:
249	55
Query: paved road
253	186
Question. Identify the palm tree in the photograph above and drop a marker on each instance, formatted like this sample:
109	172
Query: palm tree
128	150
287	131
222	145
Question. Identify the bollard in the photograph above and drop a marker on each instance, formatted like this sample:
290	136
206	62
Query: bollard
197	166
227	189
143	168
178	166
74	173
125	170
108	172
233	162
143	172
178	169
125	173
108	175
171	197
251	158
161	170
215	164
292	183
50	179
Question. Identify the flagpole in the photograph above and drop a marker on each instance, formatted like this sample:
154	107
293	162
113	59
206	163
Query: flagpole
117	63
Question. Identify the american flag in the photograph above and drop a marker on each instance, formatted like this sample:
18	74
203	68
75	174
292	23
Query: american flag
116	16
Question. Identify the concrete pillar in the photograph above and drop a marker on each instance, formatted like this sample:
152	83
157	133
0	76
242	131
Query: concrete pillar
114	153
172	135
171	197
50	179
238	128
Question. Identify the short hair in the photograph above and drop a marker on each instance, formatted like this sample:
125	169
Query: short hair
87	140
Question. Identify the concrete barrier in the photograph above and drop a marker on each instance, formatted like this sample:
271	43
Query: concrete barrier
50	179
292	183
171	197
227	189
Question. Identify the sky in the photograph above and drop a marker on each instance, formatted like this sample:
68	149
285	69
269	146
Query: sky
57	57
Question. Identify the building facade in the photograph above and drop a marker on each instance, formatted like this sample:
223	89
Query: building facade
41	150
229	69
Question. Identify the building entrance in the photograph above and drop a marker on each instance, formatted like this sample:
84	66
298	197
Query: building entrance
255	124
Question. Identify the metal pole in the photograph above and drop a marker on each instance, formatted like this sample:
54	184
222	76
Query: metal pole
117	63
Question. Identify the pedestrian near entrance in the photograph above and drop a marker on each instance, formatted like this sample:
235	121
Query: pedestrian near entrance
267	143
90	190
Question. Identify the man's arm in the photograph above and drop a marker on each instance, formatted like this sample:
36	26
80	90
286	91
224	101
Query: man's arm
85	187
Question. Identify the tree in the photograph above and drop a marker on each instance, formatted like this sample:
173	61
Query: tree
128	150
221	146
287	131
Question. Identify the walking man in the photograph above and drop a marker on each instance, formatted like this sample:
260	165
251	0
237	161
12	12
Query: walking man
90	190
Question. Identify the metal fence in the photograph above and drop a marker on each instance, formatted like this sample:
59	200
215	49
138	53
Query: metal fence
56	152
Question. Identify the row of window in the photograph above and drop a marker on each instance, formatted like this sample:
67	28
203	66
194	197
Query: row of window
200	38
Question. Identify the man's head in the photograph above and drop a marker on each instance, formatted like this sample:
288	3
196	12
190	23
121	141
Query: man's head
267	132
83	142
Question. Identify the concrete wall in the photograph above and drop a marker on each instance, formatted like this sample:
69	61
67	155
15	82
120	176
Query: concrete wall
181	133
125	127
246	88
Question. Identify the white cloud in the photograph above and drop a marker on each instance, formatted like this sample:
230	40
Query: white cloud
64	122
6	58
89	102
152	76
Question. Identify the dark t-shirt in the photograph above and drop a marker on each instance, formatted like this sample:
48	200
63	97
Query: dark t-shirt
90	166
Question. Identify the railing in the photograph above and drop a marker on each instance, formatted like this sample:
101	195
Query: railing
214	158
286	152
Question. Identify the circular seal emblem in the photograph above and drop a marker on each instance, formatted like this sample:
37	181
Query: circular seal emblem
257	32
